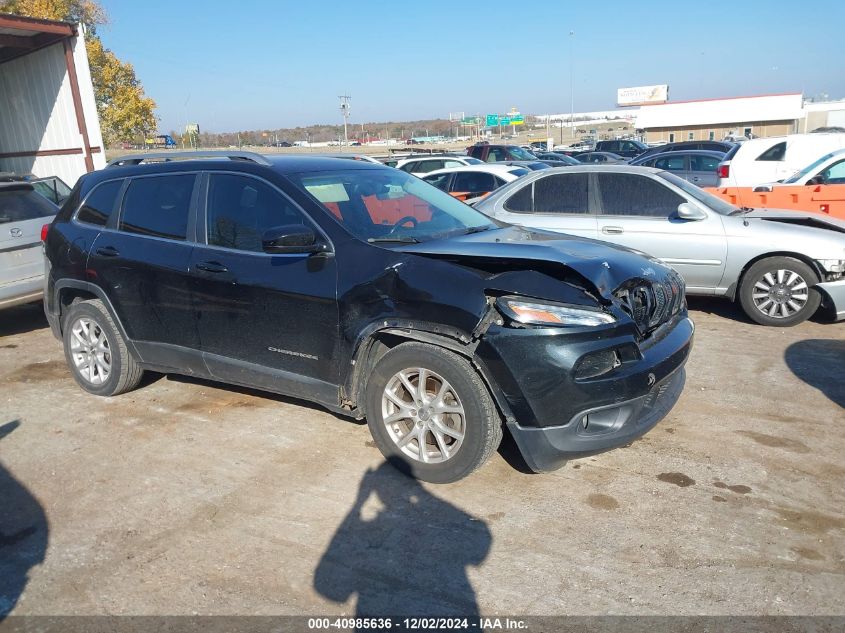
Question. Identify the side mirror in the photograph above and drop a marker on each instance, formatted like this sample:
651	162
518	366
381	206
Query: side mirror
290	238
816	180
687	211
763	189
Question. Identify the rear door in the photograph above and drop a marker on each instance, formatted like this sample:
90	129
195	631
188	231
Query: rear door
557	202
703	170
141	261
639	212
472	184
22	214
674	162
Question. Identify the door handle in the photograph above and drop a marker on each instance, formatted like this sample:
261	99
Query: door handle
612	230
108	251
212	267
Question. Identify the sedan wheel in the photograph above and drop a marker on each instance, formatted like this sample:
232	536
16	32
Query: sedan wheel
779	291
781	294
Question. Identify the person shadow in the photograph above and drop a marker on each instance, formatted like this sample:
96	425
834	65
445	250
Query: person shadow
403	552
23	534
821	364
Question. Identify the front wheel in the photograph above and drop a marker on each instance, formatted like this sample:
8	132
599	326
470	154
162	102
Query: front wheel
778	291
430	413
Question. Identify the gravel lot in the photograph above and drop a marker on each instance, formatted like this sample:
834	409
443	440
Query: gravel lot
191	497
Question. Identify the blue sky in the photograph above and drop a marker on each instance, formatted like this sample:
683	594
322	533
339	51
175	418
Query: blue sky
258	64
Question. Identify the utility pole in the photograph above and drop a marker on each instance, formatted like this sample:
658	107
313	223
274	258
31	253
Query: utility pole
344	110
571	84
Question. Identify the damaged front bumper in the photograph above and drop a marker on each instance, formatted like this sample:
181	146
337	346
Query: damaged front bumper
834	293
555	416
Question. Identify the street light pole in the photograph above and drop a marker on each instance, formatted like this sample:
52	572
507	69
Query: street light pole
344	110
571	83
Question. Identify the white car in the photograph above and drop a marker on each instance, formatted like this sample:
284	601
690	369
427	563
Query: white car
420	165
766	160
827	170
474	181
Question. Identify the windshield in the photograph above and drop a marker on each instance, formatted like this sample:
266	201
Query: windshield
387	205
473	161
520	154
708	199
809	169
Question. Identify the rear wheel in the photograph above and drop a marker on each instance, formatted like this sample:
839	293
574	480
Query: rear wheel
430	413
778	291
96	352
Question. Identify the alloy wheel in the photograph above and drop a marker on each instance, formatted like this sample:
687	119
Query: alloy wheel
780	294
423	415
89	350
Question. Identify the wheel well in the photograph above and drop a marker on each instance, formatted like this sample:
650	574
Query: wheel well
734	291
69	296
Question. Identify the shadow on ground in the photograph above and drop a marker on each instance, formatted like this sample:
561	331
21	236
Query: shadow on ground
403	551
821	364
21	319
23	533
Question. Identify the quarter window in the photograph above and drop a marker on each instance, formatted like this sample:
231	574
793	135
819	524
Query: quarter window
158	206
100	203
241	209
634	195
775	152
522	201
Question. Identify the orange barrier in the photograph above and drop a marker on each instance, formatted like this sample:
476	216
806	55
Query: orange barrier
829	199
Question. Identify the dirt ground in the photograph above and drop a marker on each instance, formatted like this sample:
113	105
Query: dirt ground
190	497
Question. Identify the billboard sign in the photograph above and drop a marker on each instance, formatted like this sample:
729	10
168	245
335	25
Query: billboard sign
642	95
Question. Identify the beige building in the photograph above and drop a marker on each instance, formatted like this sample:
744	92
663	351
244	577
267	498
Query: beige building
714	119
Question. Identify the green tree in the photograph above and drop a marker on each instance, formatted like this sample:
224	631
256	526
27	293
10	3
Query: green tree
125	111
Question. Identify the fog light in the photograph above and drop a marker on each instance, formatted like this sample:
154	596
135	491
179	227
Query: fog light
597	363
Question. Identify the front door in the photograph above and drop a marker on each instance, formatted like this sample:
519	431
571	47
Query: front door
556	202
266	320
640	212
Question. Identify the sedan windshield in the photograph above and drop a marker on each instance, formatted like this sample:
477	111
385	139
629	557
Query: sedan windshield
521	154
809	169
387	205
708	199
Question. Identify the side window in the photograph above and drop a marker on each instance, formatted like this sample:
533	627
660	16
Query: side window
635	195
158	206
20	204
670	163
835	174
450	164
495	154
522	201
240	209
703	163
775	152
441	181
427	166
100	203
410	167
562	193
474	181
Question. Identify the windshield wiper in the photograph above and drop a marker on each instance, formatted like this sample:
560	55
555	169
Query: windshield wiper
395	239
742	210
476	229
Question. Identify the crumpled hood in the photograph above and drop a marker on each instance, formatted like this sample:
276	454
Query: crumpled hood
605	266
807	217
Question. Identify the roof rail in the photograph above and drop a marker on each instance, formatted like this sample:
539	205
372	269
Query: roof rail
137	159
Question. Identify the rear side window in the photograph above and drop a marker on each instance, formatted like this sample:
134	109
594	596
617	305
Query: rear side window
561	193
441	181
99	204
522	201
19	204
158	206
775	152
474	181
426	166
634	195
409	167
699	162
671	163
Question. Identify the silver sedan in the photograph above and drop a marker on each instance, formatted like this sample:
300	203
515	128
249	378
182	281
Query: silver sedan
779	265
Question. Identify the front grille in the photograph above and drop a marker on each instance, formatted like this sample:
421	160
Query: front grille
652	303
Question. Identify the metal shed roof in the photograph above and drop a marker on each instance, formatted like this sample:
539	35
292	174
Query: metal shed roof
20	35
779	107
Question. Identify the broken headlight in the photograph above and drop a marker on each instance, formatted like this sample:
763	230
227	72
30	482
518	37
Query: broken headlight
542	313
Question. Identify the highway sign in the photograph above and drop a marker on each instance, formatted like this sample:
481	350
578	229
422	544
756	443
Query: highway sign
504	120
492	120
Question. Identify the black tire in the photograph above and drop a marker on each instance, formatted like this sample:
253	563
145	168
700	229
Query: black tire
482	426
757	308
124	373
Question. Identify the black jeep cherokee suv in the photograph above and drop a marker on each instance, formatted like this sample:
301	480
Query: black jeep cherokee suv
372	293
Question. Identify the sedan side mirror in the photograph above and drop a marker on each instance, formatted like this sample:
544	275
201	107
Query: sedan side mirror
291	238
763	189
687	211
